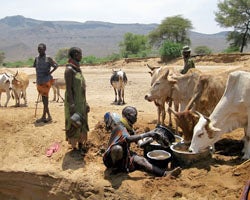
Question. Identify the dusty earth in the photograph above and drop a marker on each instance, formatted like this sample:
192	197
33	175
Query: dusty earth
26	172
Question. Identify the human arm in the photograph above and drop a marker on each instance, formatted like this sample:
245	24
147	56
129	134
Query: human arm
53	64
135	138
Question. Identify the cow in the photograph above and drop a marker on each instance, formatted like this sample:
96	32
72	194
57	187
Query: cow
5	86
58	83
178	87
118	81
207	93
231	112
156	72
20	83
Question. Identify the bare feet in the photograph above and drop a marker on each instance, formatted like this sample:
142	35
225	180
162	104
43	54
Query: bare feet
175	172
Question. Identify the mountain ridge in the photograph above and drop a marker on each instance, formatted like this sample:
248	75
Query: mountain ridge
20	36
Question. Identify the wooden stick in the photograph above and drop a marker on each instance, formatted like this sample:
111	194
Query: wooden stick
37	103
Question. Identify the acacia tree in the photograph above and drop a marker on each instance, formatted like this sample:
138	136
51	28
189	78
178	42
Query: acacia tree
174	29
134	45
235	14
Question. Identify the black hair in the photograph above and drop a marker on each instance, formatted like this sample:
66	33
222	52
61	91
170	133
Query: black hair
43	45
73	51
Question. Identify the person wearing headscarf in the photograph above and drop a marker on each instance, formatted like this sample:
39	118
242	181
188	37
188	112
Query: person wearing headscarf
44	79
118	155
188	62
75	104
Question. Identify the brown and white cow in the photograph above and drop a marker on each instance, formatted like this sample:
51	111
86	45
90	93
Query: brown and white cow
118	80
58	83
231	112
20	83
5	86
179	87
208	91
156	73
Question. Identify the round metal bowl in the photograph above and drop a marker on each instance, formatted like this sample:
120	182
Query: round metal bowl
182	155
156	146
159	158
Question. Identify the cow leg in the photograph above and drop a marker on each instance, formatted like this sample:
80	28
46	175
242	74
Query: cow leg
246	149
115	95
169	113
58	93
119	97
24	97
8	98
54	92
122	91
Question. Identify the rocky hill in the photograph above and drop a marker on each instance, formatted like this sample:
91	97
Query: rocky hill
19	36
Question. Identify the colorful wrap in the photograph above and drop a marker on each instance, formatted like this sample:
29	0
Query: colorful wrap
44	88
118	136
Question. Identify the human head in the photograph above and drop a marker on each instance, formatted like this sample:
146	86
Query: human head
130	113
41	48
75	53
110	120
186	50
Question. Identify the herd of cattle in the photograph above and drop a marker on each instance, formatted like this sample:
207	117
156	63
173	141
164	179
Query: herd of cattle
223	97
15	86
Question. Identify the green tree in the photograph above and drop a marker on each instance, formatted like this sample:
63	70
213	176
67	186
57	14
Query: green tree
134	45
173	29
170	50
202	50
2	57
62	55
235	14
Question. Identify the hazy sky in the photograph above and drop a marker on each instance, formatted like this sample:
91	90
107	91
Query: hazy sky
199	12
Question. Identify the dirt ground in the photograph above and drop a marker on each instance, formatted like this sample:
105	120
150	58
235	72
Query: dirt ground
26	172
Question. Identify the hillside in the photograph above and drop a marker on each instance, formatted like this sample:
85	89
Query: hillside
19	36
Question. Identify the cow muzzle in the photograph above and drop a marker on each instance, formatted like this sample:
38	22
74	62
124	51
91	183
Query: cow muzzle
148	98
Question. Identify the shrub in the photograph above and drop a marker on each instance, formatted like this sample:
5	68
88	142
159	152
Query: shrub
170	50
202	50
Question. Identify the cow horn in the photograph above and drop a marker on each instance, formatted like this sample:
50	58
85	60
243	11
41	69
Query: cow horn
172	111
201	115
152	68
16	74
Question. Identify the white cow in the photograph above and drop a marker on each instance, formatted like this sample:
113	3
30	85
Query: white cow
232	111
118	80
5	86
20	83
59	83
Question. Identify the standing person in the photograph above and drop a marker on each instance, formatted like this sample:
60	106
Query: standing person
188	62
44	79
118	155
76	106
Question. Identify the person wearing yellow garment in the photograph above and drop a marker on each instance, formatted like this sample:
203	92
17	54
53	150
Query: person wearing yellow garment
118	155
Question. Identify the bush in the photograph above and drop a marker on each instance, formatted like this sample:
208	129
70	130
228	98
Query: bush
202	50
170	50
